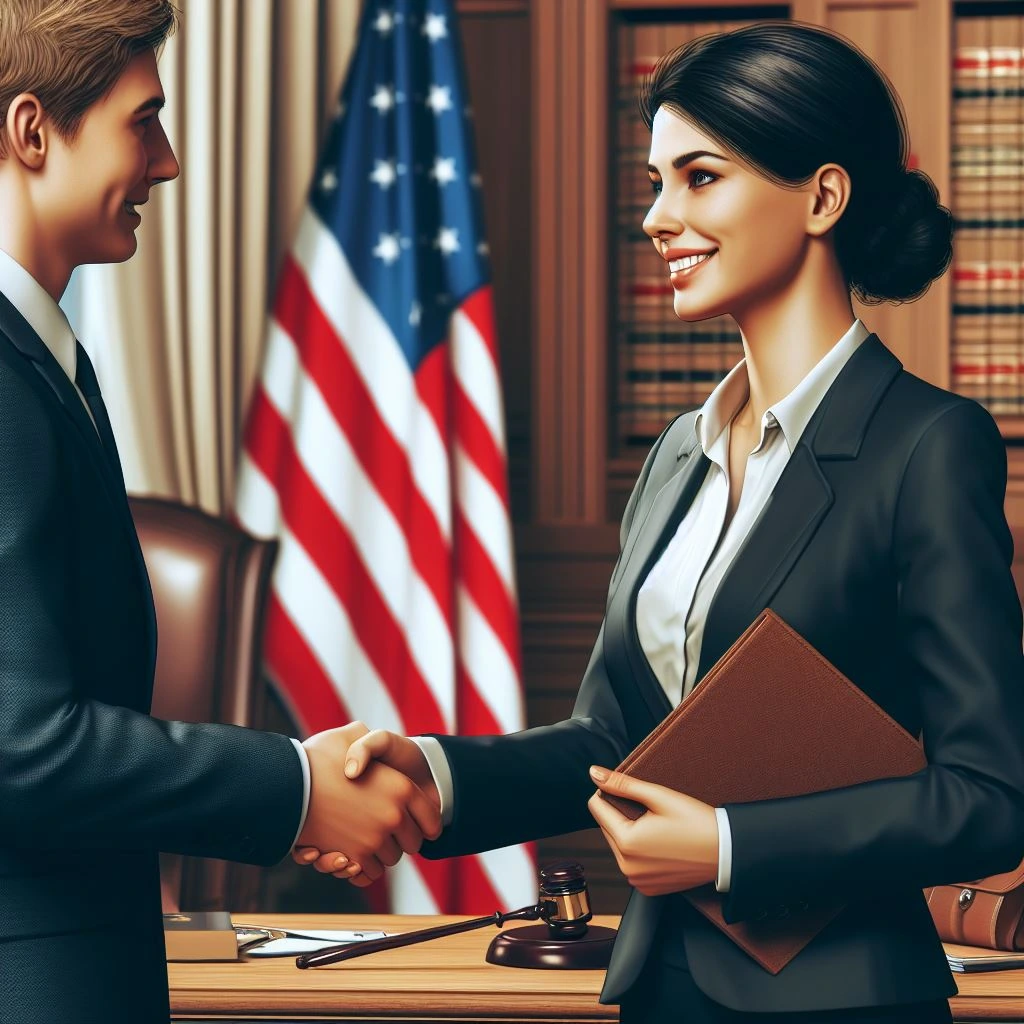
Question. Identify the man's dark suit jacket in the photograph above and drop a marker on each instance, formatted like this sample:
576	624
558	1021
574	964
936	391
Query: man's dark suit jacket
885	544
91	787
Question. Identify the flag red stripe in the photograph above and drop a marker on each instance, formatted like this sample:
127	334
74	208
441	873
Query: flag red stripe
479	308
475	438
433	381
477	574
316	702
315	525
473	715
326	359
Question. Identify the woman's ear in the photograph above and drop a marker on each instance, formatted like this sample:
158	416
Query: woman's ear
830	193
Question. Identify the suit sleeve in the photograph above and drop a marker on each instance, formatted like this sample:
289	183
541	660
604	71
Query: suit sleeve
535	783
76	773
961	817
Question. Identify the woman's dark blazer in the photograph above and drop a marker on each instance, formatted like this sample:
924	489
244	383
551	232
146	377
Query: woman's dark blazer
885	544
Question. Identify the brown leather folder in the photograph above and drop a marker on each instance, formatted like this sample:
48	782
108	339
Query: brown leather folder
772	718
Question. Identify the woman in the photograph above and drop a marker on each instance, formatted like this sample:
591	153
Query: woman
862	504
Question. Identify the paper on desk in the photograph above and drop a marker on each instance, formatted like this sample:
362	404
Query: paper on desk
312	941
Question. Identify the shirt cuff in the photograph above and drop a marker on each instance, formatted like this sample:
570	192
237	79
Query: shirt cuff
441	770
304	761
724	879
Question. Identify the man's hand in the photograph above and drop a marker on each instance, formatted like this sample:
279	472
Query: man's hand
674	846
389	750
373	813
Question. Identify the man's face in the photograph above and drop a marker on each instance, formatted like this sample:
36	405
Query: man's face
91	186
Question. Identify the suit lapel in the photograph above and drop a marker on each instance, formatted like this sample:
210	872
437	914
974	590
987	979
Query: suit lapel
800	500
30	345
667	510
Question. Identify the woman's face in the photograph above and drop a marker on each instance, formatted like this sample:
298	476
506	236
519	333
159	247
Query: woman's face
754	231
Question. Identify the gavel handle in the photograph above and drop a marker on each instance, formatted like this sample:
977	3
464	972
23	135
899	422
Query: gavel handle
350	950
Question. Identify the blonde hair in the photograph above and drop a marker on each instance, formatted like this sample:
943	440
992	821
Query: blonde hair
70	53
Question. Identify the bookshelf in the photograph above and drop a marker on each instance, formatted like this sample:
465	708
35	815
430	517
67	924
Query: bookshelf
987	325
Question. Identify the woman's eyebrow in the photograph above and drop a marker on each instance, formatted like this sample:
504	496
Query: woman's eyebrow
681	161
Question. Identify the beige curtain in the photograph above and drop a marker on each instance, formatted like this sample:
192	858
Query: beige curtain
178	331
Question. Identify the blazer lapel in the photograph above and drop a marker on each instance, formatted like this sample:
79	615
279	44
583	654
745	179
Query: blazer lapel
800	501
30	345
669	507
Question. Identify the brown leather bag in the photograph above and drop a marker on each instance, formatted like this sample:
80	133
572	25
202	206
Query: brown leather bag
988	912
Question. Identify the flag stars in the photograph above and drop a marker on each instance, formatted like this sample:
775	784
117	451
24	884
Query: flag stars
385	173
384	22
328	180
447	241
415	315
439	98
435	27
443	171
383	98
388	248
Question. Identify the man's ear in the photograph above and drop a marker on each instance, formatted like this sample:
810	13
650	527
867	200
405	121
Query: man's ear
27	130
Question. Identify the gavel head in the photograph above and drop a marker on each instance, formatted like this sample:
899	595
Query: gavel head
563	894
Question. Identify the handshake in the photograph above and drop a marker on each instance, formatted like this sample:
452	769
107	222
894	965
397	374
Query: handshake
372	798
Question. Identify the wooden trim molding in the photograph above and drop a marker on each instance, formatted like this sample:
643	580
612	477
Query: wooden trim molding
570	156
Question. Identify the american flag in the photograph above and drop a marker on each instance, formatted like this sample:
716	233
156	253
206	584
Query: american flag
374	448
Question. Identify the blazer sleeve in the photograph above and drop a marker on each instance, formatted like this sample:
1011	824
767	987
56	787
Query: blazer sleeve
76	773
535	783
961	817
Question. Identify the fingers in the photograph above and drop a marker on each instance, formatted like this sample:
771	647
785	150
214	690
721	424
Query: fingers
425	813
305	854
654	797
389	853
609	818
408	835
372	869
375	745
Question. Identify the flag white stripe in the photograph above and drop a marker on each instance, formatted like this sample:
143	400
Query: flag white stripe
256	503
378	358
408	889
485	512
512	874
487	663
473	366
324	450
325	626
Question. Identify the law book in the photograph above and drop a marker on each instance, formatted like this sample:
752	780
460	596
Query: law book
772	718
200	935
973	959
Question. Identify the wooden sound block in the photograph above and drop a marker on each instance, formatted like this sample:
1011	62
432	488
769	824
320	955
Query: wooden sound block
534	947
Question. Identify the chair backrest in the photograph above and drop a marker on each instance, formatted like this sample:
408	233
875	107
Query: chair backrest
210	583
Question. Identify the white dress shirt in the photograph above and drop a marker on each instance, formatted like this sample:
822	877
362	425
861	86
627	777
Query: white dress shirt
673	601
47	319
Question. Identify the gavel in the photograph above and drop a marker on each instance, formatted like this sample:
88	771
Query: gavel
564	941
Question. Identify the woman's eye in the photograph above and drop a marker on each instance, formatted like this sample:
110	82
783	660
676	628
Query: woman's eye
701	174
656	185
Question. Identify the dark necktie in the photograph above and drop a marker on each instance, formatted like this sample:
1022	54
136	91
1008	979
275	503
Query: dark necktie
85	378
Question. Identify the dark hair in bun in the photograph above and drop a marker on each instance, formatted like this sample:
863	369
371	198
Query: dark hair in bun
788	97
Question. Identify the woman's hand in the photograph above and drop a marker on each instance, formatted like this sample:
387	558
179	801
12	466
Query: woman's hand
674	846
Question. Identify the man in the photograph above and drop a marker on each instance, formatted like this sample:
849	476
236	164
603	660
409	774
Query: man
84	770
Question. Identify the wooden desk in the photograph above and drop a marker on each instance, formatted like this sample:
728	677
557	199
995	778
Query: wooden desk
447	980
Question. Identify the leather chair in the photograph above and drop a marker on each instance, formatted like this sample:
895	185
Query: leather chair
210	582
